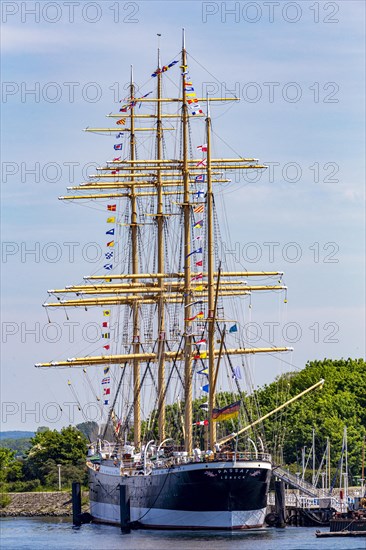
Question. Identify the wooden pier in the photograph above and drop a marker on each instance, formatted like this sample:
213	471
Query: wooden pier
304	504
301	511
328	534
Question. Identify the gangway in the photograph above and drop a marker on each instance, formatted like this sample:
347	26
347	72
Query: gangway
307	489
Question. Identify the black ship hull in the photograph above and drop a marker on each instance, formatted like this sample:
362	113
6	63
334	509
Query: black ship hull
216	495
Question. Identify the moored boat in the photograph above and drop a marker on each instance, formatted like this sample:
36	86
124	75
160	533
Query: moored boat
177	308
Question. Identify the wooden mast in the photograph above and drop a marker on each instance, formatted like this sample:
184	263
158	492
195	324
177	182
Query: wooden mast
187	264
161	267
135	270
210	288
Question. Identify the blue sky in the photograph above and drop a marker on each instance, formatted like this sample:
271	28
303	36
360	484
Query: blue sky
315	198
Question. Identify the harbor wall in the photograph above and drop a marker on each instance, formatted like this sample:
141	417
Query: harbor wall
51	504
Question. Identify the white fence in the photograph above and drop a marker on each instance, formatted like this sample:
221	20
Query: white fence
323	501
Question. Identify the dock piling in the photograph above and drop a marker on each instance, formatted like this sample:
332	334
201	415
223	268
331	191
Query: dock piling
76	503
124	504
280	503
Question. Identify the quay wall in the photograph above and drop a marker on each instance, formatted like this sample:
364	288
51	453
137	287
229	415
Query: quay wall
53	504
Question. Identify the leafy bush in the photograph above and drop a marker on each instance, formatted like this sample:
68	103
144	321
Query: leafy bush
4	500
24	486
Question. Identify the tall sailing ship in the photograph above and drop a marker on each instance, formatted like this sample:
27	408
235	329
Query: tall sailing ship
176	310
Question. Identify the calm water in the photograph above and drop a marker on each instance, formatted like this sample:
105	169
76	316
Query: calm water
54	534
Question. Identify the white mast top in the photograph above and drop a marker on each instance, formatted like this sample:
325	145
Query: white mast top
131	74
183	39
159	61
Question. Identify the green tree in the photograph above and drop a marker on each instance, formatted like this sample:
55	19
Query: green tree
42	429
89	429
11	469
49	448
6	461
341	402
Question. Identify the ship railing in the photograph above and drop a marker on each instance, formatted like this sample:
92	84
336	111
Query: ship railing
128	464
107	451
179	458
103	447
242	456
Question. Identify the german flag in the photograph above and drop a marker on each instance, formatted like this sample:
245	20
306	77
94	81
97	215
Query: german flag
226	413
